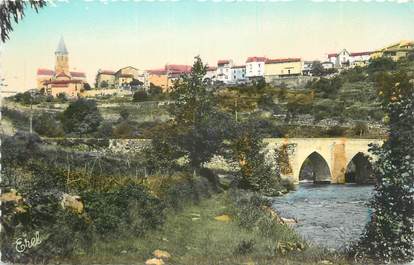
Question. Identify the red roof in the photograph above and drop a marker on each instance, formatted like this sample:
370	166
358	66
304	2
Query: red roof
332	55
256	59
285	60
106	72
62	74
360	53
53	82
78	74
45	72
59	85
211	68
157	72
178	68
221	62
239	66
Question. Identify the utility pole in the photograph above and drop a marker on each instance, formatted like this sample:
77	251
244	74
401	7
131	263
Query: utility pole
31	112
235	107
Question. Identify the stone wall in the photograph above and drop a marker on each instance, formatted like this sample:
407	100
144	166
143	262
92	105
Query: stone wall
290	81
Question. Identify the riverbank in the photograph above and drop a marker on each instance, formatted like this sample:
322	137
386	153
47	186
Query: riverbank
227	228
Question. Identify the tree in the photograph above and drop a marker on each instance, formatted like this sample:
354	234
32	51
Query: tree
140	96
104	84
86	86
81	116
200	126
62	97
135	83
247	151
46	124
317	69
155	90
14	11
381	64
389	235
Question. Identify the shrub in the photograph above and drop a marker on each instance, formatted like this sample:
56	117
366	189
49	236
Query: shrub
127	210
82	117
140	96
336	131
244	247
360	128
46	124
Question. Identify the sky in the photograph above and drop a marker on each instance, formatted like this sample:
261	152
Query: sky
150	34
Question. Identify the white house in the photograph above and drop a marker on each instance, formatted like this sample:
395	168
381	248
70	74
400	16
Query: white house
224	70
255	66
360	58
341	59
349	59
238	74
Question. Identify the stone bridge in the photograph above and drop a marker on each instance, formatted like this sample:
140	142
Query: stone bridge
323	160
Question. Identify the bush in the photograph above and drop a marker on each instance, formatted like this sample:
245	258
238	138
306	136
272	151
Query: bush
360	128
140	96
46	124
126	210
82	117
336	131
244	247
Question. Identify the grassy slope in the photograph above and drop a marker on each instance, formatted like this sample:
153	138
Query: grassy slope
193	236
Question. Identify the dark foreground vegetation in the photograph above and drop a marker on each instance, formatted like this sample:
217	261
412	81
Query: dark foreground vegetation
101	207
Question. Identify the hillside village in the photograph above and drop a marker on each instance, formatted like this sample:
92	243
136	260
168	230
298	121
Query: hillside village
275	71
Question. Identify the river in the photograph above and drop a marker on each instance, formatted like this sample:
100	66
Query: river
327	215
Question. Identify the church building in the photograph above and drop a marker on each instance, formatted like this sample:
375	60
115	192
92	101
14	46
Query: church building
61	80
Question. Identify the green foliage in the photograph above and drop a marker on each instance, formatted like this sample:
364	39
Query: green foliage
255	172
389	235
327	88
13	11
127	210
81	117
104	84
336	131
140	96
62	97
47	125
86	86
105	130
200	128
392	87
382	64
298	104
123	130
360	128
317	69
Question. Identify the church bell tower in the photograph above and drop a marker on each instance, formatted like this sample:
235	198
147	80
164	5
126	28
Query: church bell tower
62	62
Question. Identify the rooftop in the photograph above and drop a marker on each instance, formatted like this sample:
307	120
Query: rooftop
283	60
61	49
256	59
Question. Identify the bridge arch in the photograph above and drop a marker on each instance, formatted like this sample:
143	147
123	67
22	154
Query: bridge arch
359	169
315	168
